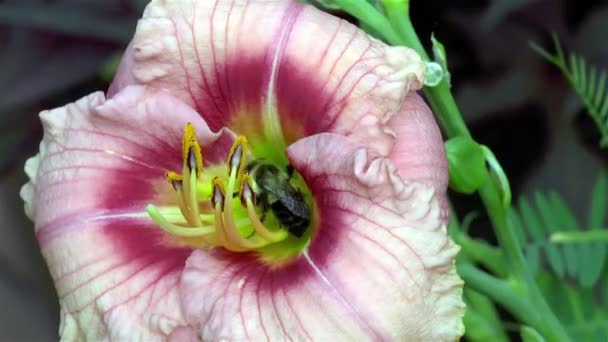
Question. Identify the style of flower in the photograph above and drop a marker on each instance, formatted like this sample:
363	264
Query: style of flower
259	170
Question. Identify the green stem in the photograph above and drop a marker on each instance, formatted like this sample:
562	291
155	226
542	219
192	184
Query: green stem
367	13
512	297
399	31
500	291
440	97
450	118
476	250
482	253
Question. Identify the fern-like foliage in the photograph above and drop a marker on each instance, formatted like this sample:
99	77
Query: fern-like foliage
546	214
576	273
587	80
583	312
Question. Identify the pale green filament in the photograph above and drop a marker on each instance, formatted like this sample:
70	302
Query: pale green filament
177	230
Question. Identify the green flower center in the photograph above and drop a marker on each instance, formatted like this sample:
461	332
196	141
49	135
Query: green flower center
249	204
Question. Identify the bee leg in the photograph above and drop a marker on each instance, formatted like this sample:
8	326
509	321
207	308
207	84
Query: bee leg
289	170
263	217
263	202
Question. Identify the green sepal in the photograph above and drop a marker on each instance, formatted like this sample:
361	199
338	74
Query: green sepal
466	164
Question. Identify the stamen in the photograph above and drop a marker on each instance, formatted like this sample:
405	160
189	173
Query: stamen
218	192
208	217
176	182
246	188
193	165
175	179
217	199
233	237
177	230
238	155
193	201
191	150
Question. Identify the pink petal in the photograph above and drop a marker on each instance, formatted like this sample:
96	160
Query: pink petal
418	151
380	265
227	58
100	163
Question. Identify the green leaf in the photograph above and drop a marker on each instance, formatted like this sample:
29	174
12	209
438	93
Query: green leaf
587	247
529	334
562	219
441	58
551	227
587	81
485	324
499	177
582	314
552	217
515	222
601	89
599	205
466	164
546	214
596	221
478	329
439	52
532	253
556	295
581	236
531	228
532	222
370	15
481	320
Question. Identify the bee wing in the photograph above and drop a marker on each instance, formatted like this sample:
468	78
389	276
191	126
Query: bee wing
291	199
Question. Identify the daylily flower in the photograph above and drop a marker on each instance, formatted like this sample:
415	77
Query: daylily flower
166	209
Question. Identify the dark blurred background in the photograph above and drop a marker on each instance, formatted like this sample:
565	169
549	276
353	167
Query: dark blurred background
54	52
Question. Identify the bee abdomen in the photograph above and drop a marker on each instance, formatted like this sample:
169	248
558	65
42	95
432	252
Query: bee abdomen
295	224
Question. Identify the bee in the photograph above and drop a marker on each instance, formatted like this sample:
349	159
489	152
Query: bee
275	192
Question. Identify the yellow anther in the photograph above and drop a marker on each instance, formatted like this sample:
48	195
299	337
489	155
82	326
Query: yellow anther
191	150
177	182
238	155
219	193
246	189
175	179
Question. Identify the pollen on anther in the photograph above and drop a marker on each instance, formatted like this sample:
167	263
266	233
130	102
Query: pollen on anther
175	180
218	196
191	150
246	189
236	159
